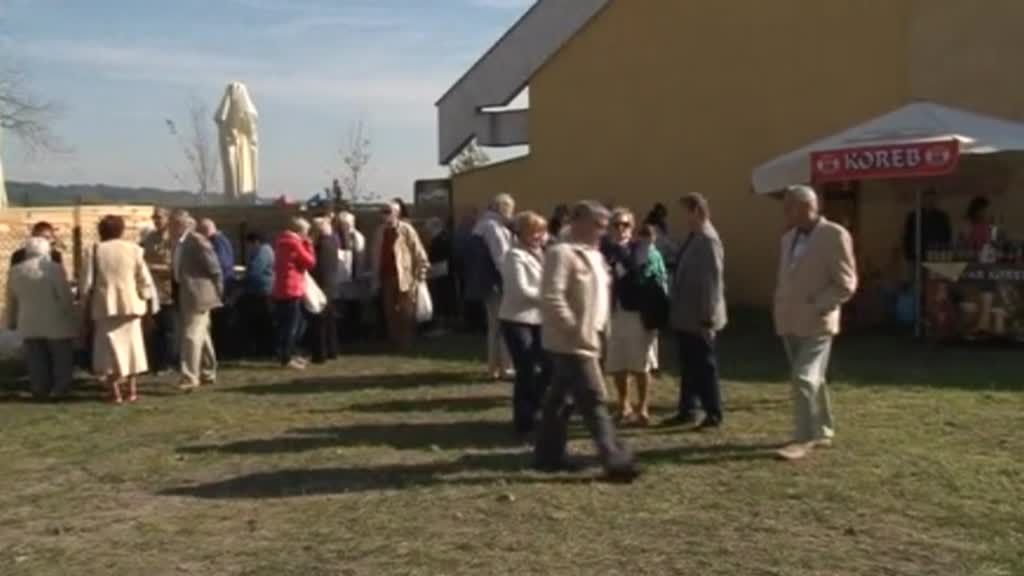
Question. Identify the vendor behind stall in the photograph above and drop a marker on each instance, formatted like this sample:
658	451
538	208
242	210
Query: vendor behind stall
980	231
936	229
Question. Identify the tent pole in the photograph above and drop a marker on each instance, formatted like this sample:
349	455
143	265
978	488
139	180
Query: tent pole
918	266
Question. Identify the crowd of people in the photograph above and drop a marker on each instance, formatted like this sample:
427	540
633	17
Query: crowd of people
590	293
565	301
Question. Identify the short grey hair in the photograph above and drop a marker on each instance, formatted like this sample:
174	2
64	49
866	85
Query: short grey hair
348	218
588	211
802	194
623	212
299	225
184	219
207	227
503	201
37	247
323	226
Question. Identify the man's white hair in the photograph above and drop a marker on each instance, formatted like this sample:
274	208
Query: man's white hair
348	218
323	227
37	247
207	227
802	194
503	201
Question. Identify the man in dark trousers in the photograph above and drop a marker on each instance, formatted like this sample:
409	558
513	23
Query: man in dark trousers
575	308
697	315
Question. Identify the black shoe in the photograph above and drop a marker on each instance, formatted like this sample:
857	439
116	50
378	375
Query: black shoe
709	425
568	465
622	474
680	421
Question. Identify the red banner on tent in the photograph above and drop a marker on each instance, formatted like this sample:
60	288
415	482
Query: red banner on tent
911	160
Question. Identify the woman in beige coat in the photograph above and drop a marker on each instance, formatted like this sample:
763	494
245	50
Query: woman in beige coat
120	292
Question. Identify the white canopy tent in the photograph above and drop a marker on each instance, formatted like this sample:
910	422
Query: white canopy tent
916	123
937	135
239	143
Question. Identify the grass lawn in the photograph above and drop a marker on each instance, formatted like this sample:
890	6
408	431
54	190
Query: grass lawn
406	465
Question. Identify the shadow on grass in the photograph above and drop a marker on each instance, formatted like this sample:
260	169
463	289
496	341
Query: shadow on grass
750	352
83	391
412	436
356	383
469	470
451	405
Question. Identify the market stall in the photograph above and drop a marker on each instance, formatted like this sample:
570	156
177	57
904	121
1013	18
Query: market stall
968	282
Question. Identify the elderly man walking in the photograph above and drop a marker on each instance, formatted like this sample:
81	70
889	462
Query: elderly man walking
697	314
817	275
199	286
492	239
575	309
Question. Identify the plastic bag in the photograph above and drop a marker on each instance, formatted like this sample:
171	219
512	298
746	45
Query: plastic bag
314	300
424	304
10	345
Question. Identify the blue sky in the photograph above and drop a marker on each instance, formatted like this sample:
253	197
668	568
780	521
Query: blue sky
120	67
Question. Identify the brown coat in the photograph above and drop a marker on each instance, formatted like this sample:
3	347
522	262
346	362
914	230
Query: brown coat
117	281
410	257
812	290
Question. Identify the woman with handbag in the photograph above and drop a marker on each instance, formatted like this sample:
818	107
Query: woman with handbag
119	293
640	283
293	260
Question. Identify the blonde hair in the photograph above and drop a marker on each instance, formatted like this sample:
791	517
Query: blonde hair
529	221
299	226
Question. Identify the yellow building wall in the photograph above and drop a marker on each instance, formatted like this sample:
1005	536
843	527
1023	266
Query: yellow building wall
657	98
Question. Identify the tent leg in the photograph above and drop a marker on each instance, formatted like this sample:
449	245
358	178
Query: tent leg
918	267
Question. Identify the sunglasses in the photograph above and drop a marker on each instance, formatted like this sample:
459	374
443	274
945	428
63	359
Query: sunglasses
622	224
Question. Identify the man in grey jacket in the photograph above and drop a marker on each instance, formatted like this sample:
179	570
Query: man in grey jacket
575	307
698	313
199	289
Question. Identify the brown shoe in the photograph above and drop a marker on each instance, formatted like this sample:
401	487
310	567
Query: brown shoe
795	451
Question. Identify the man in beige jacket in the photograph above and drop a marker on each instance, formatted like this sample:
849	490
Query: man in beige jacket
817	275
400	263
575	308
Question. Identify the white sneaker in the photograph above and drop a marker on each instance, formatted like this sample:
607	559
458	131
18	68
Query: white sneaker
795	451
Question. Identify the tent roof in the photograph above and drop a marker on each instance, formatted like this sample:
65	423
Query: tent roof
915	122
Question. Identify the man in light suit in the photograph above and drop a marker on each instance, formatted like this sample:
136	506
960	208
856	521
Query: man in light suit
697	314
817	275
575	307
199	286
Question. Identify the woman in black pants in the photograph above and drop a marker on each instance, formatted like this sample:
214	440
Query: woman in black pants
521	318
323	327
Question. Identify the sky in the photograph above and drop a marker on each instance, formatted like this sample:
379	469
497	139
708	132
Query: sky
119	68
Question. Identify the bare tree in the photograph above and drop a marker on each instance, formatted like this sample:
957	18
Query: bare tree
471	158
198	147
25	116
356	157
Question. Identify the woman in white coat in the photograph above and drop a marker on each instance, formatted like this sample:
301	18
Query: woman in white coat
40	309
520	318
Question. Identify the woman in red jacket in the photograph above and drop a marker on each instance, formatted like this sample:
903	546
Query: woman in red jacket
293	258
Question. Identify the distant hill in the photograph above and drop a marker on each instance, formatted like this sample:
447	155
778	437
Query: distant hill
36	194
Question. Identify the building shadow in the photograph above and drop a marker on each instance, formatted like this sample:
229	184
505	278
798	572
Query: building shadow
478	469
450	405
357	383
469	470
400	436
